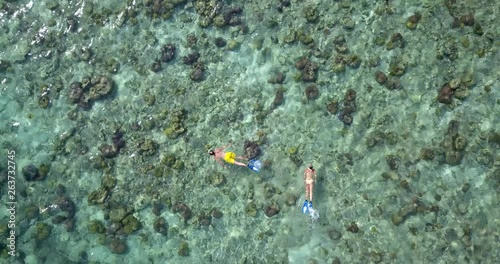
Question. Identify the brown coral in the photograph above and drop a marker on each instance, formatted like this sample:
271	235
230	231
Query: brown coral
445	95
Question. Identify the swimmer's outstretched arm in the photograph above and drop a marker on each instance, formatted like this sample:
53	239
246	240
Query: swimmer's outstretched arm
220	162
224	147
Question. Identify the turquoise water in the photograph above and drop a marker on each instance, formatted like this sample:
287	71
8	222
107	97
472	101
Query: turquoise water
109	109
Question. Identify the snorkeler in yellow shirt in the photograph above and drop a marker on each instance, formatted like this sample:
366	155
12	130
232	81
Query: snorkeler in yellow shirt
230	157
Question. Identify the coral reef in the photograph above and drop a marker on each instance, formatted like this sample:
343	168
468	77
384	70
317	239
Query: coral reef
251	149
312	92
108	107
89	90
349	107
278	98
183	210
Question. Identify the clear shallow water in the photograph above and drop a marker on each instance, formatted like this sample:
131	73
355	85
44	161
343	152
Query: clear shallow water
115	168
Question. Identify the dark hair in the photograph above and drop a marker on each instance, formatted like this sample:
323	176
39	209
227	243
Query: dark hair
211	152
311	167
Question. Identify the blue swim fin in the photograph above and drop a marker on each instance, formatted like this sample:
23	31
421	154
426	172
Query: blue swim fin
254	165
305	207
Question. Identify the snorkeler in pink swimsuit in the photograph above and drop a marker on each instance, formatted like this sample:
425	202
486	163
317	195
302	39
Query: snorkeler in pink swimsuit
310	178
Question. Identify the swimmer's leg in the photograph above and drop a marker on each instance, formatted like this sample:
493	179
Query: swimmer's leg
240	164
305	206
311	188
308	190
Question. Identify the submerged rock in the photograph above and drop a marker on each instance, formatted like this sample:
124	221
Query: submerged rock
32	173
183	249
101	87
271	210
160	226
118	246
445	95
252	149
312	92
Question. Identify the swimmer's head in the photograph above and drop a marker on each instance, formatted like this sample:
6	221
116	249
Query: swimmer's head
310	166
211	152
